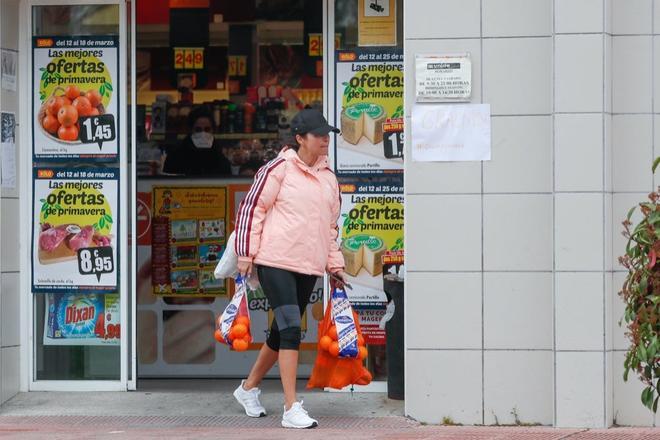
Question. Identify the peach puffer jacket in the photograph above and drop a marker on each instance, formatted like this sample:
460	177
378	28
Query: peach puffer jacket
288	219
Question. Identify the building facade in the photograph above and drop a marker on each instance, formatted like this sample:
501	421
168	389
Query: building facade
512	275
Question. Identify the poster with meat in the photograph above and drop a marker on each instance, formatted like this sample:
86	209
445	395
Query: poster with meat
75	229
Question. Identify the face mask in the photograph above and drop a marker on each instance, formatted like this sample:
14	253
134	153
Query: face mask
202	139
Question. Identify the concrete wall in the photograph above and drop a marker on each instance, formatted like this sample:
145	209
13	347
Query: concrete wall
9	230
511	263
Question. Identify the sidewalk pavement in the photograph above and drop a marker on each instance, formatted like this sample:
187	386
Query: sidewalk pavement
205	409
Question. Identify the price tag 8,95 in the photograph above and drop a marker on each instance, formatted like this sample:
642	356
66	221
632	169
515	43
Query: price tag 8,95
95	261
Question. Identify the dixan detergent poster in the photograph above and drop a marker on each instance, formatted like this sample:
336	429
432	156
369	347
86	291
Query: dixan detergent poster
87	319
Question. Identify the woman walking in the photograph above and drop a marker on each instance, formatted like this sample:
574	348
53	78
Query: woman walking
286	231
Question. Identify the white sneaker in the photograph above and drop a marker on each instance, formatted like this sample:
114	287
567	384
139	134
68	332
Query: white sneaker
297	417
250	400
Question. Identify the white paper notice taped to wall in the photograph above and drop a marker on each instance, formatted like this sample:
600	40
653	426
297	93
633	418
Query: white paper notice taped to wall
445	133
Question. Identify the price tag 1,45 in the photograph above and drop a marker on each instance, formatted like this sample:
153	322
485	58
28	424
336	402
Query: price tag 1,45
95	261
97	129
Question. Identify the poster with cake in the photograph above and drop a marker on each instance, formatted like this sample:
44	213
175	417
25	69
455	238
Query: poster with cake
75	228
189	232
87	319
75	98
371	223
368	97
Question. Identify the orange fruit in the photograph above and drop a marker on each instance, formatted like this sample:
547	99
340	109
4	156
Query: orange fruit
362	353
240	345
94	97
67	115
334	349
242	320
72	92
369	376
247	338
332	332
239	330
68	133
360	341
54	104
94	112
218	336
82	105
325	342
51	124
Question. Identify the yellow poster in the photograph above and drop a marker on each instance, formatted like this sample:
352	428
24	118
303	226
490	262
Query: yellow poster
371	225
189	233
376	23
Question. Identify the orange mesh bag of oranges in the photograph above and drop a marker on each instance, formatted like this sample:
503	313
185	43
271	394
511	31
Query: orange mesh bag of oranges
233	326
341	347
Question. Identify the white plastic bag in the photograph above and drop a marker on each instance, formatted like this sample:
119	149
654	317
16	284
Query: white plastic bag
227	267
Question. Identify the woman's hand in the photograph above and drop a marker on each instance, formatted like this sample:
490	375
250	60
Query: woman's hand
244	268
338	279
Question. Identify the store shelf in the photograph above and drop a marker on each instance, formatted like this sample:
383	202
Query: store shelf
221	136
237	136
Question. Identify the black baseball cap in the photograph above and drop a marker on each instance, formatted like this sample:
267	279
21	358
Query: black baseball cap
311	121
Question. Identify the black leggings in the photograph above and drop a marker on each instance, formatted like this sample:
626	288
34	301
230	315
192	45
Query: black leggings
288	294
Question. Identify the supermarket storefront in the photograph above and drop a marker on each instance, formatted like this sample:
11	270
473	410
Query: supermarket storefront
126	227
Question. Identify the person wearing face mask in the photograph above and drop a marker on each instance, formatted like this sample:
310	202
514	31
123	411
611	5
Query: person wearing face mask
198	154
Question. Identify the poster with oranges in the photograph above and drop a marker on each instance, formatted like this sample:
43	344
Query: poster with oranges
75	229
75	98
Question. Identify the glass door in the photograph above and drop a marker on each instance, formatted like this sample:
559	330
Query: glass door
78	176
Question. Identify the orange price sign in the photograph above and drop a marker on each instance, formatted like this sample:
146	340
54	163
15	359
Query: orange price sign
178	58
315	45
232	65
198	58
241	68
188	58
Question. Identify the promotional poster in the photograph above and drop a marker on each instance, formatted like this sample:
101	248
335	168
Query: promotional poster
75	230
75	100
189	233
371	224
82	319
369	94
